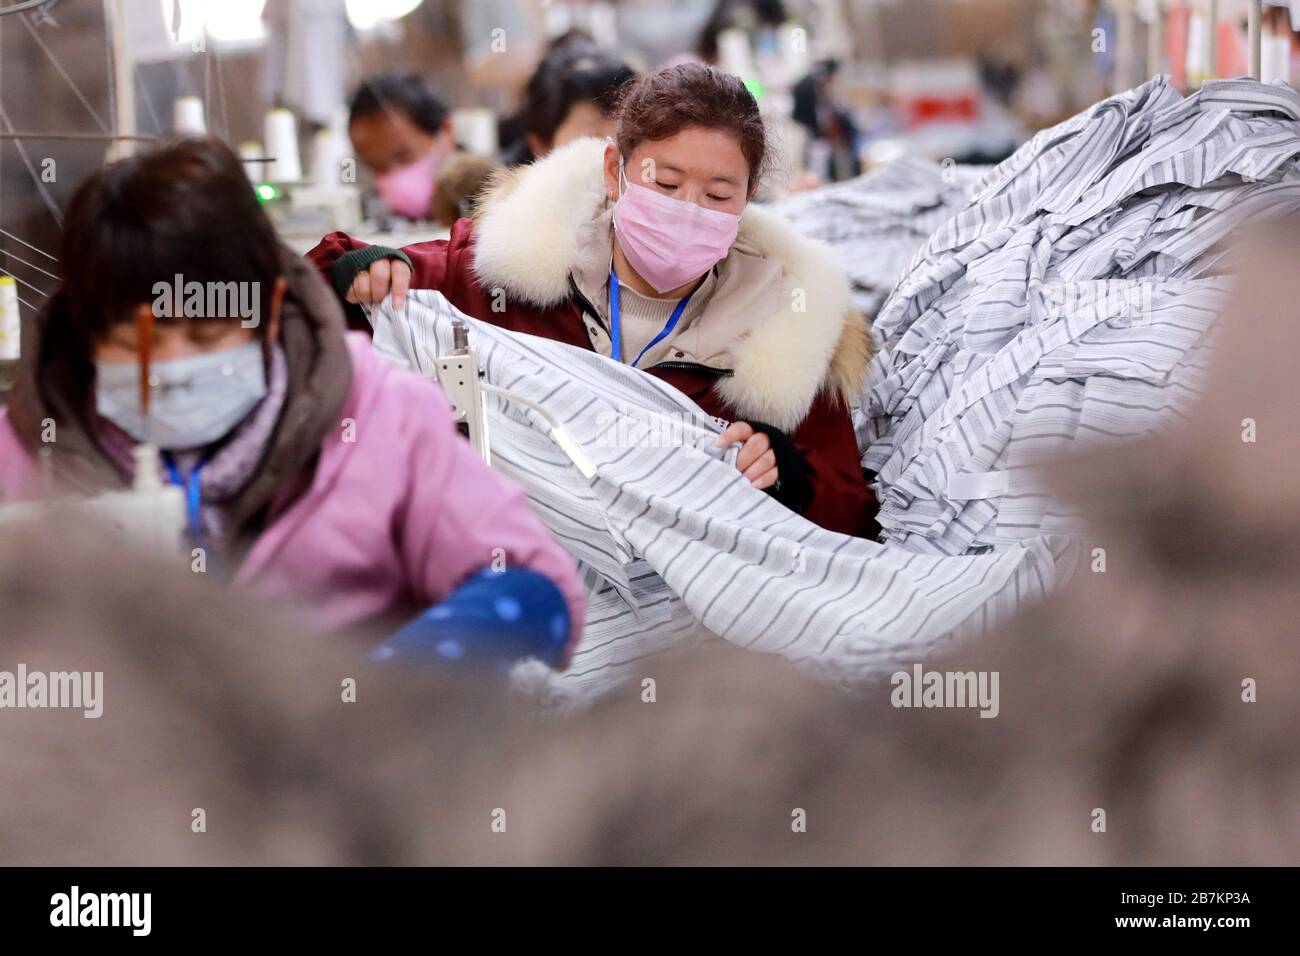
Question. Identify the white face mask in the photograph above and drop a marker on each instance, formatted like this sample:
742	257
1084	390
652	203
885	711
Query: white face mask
194	401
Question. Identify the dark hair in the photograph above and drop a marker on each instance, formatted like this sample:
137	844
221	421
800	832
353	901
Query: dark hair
574	36
575	72
662	104
408	93
184	208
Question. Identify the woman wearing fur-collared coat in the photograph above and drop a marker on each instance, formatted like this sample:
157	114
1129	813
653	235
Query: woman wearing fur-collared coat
648	250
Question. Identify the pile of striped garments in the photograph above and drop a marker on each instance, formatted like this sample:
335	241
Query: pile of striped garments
1072	301
876	223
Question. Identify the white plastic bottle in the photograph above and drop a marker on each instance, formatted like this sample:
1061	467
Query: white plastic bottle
9	324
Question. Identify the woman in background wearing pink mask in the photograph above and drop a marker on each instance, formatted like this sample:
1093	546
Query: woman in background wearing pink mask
401	132
648	250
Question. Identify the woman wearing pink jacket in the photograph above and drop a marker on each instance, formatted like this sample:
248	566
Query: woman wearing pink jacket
313	471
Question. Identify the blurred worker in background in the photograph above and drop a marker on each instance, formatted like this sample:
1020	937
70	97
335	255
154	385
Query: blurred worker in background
464	179
829	124
754	17
572	94
649	251
401	131
314	471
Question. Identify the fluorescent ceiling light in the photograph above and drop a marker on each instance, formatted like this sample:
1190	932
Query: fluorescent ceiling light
227	21
368	14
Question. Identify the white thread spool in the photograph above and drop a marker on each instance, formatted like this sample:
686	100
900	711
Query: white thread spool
330	147
1199	67
1275	58
475	128
736	55
795	57
187	118
9	323
253	150
282	146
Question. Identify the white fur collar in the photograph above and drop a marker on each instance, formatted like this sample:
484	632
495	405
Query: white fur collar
534	227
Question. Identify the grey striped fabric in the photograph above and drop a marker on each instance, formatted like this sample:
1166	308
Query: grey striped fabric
677	548
1072	301
877	222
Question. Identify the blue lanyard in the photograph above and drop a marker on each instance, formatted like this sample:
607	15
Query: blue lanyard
193	494
616	335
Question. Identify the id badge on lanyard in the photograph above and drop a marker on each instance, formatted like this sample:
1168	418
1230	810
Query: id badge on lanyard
193	495
616	334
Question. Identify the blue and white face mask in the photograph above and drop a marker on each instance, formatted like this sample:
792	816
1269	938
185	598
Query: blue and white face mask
194	401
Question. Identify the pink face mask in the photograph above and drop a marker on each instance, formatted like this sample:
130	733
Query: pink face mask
670	241
408	190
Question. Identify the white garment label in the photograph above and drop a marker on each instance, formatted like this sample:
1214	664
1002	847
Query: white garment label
580	458
983	484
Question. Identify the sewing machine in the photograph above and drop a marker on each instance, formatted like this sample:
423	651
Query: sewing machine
150	516
461	378
462	381
305	211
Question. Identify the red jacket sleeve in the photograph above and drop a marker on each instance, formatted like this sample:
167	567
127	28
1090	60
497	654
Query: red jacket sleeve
339	257
328	251
842	501
431	262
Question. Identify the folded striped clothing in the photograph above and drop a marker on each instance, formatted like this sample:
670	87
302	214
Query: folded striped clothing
877	222
1073	301
677	548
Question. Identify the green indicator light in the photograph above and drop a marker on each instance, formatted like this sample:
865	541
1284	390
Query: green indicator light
266	192
756	88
